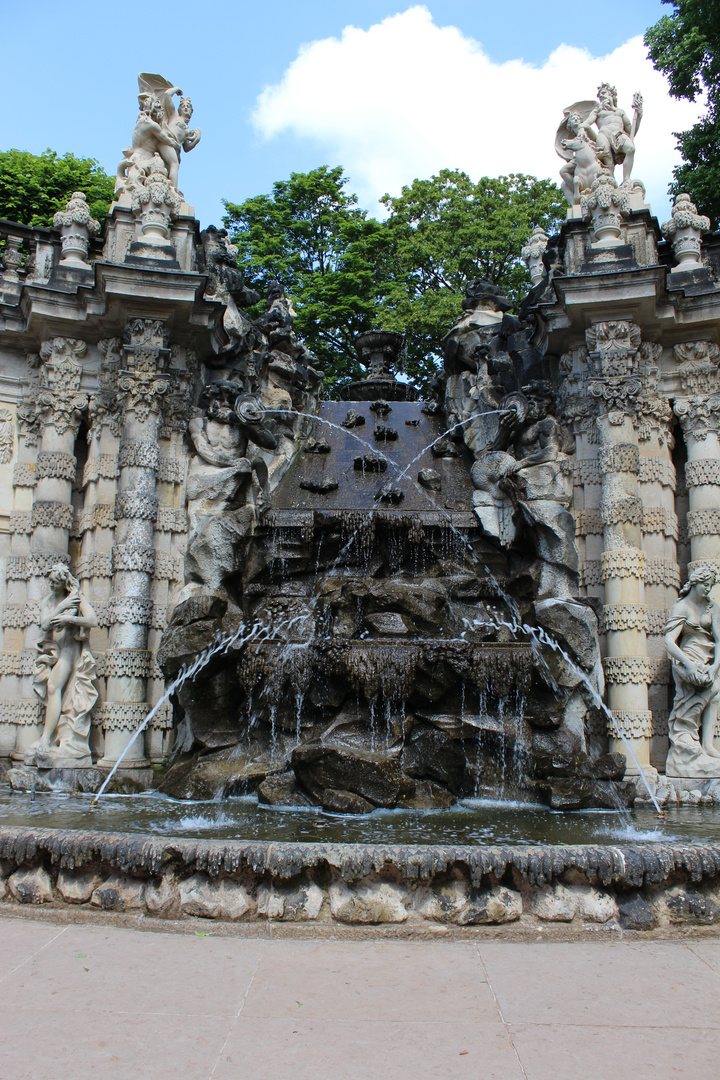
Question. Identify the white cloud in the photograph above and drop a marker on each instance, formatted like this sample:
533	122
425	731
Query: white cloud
406	98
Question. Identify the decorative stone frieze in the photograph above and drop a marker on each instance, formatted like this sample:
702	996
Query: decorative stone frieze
99	516
18	663
622	563
57	514
24	474
662	572
657	519
684	231
624	617
20	711
100	467
96	565
660	721
56	466
20	521
702	471
591	574
142	454
134	504
39	564
586	471
170	470
128	557
121	715
657	470
634	669
135	662
588	523
622	510
171	519
168	566
703	523
131	609
19	616
623	457
657	621
633	725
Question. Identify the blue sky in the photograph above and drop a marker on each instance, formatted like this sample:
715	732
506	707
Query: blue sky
384	102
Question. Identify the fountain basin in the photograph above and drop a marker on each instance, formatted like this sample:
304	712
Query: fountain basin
640	877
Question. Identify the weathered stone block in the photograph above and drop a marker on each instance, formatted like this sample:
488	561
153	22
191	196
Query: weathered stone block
635	913
298	904
77	886
210	899
552	903
489	906
370	902
690	906
593	905
31	886
162	898
119	893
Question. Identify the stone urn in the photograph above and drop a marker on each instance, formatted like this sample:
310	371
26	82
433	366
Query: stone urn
684	231
378	352
76	227
156	201
605	205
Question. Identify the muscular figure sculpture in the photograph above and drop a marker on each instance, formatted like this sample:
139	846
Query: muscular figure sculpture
615	133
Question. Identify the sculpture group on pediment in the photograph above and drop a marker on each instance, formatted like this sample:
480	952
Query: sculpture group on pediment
63	675
161	130
596	136
692	638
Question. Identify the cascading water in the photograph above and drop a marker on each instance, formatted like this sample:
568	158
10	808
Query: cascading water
391	692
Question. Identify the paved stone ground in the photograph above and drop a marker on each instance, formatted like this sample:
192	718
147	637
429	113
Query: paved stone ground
109	1003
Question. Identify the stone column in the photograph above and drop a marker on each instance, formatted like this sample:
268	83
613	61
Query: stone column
700	421
140	386
56	407
623	570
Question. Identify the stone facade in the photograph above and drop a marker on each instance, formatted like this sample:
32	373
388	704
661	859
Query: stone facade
104	332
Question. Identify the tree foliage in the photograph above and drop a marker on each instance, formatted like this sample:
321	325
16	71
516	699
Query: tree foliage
685	46
33	187
447	231
310	235
347	272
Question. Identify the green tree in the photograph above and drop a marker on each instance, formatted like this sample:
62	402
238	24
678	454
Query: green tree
33	187
685	46
347	273
311	235
447	231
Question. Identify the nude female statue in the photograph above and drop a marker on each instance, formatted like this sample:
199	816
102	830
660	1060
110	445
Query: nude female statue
64	673
692	639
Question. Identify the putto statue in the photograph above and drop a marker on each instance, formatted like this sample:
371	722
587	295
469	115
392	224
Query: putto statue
596	135
63	676
159	129
692	638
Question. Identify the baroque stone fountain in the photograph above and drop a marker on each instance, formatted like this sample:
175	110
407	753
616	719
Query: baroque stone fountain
381	553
